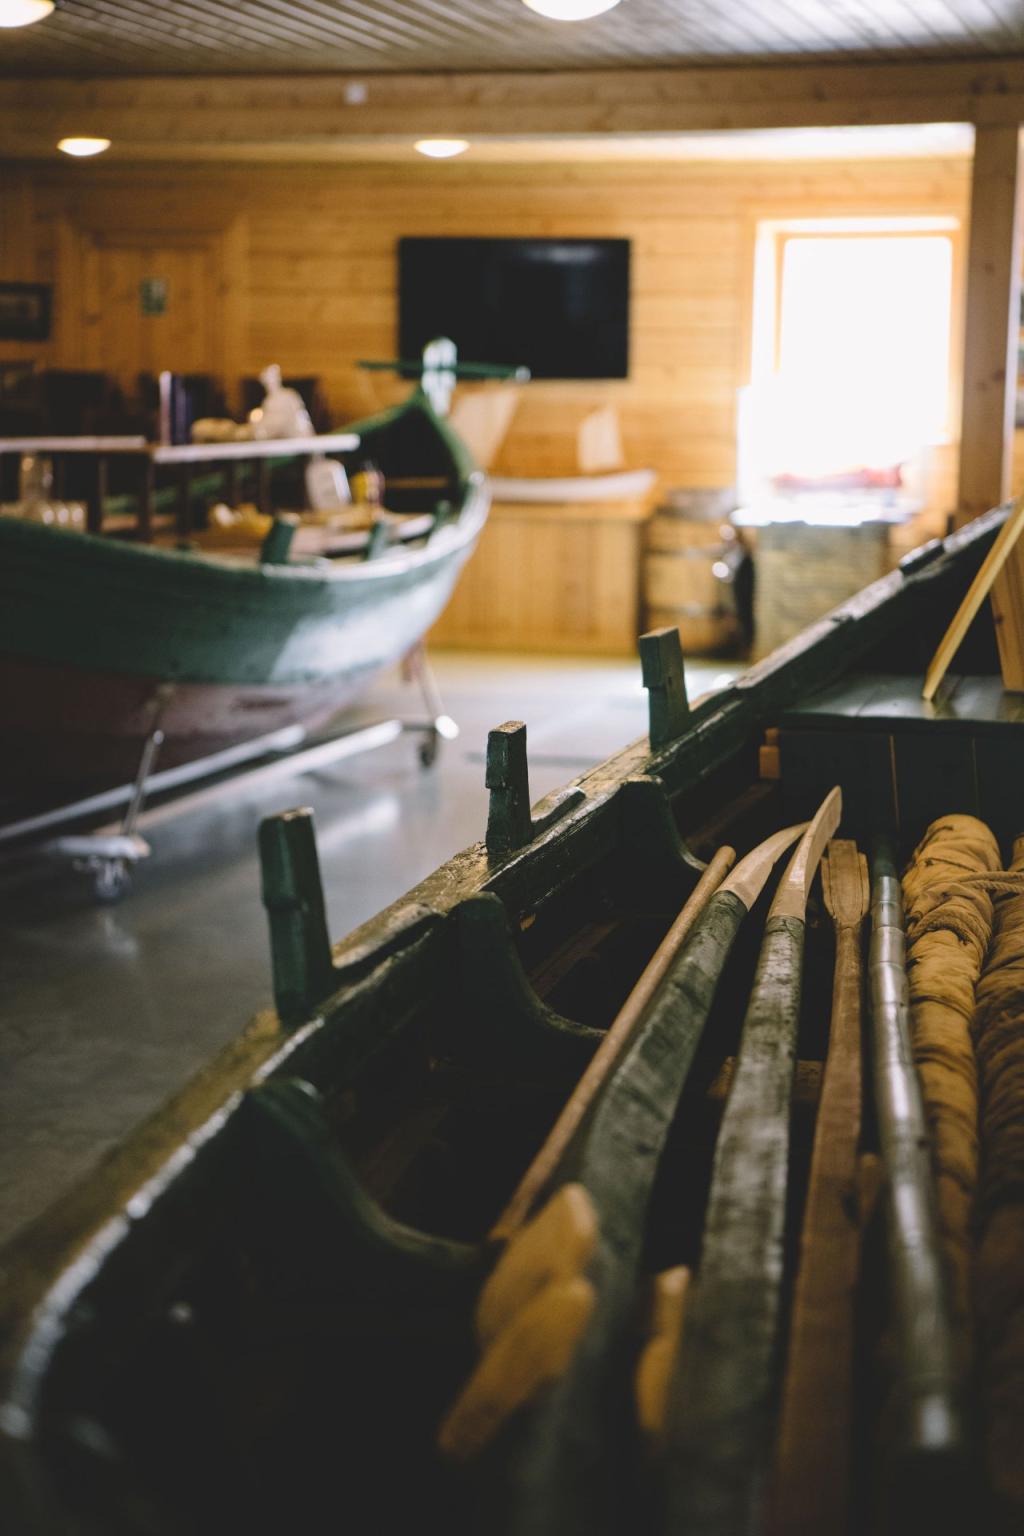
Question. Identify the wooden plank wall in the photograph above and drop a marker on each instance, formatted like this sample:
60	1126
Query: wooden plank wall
316	284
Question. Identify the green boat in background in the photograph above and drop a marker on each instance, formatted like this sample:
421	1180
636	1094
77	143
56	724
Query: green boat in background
102	639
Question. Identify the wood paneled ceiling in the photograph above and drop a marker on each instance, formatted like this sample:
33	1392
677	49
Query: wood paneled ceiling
189	37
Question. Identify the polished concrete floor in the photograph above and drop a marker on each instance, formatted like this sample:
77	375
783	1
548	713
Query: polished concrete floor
105	1011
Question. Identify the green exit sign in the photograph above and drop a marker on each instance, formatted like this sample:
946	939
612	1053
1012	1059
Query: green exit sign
153	295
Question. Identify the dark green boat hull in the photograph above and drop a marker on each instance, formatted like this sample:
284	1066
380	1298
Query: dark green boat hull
95	634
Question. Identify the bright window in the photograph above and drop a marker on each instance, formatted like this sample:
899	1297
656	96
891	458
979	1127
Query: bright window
851	357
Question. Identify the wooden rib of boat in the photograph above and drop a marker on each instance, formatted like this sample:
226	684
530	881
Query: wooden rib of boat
260	1311
102	639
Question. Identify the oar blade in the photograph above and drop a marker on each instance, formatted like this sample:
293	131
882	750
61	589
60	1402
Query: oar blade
795	886
750	876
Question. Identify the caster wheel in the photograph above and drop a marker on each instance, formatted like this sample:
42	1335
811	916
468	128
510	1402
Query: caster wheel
428	750
112	880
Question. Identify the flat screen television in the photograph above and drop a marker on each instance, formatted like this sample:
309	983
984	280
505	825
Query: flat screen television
557	307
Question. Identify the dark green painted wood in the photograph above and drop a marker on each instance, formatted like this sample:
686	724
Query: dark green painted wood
377	543
444	513
300	951
925	1447
343	1241
276	547
866	700
999	766
654	866
510	823
661	660
409	367
935	776
565	1466
920	557
389	1006
903	762
507	777
721	1395
501	1023
861	762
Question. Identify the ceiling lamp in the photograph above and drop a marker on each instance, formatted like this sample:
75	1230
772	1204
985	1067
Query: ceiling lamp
570	10
81	147
22	13
441	149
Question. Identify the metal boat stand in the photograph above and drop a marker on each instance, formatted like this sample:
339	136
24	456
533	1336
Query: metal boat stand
438	726
109	853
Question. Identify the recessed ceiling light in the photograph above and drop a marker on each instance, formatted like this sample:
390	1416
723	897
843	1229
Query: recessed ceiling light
22	13
441	149
81	147
570	10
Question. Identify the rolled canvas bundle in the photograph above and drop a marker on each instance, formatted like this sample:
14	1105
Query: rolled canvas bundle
966	969
999	1203
949	923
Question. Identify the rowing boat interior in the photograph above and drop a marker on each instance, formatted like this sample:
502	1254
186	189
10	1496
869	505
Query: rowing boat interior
245	1344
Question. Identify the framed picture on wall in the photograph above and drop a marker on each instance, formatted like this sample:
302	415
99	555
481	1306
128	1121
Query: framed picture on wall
25	311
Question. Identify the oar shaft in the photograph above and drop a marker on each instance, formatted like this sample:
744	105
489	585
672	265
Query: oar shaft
812	1462
566	1469
721	1397
928	1390
541	1172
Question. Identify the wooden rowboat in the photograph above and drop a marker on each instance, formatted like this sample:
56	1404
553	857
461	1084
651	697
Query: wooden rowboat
102	640
470	1118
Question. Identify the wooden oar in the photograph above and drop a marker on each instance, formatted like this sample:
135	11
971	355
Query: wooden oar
718	1430
925	1453
561	1466
539	1176
811	1483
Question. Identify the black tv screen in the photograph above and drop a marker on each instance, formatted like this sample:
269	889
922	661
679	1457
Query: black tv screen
557	307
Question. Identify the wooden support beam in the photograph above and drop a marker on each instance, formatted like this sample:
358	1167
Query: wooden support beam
990	366
992	322
217	116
